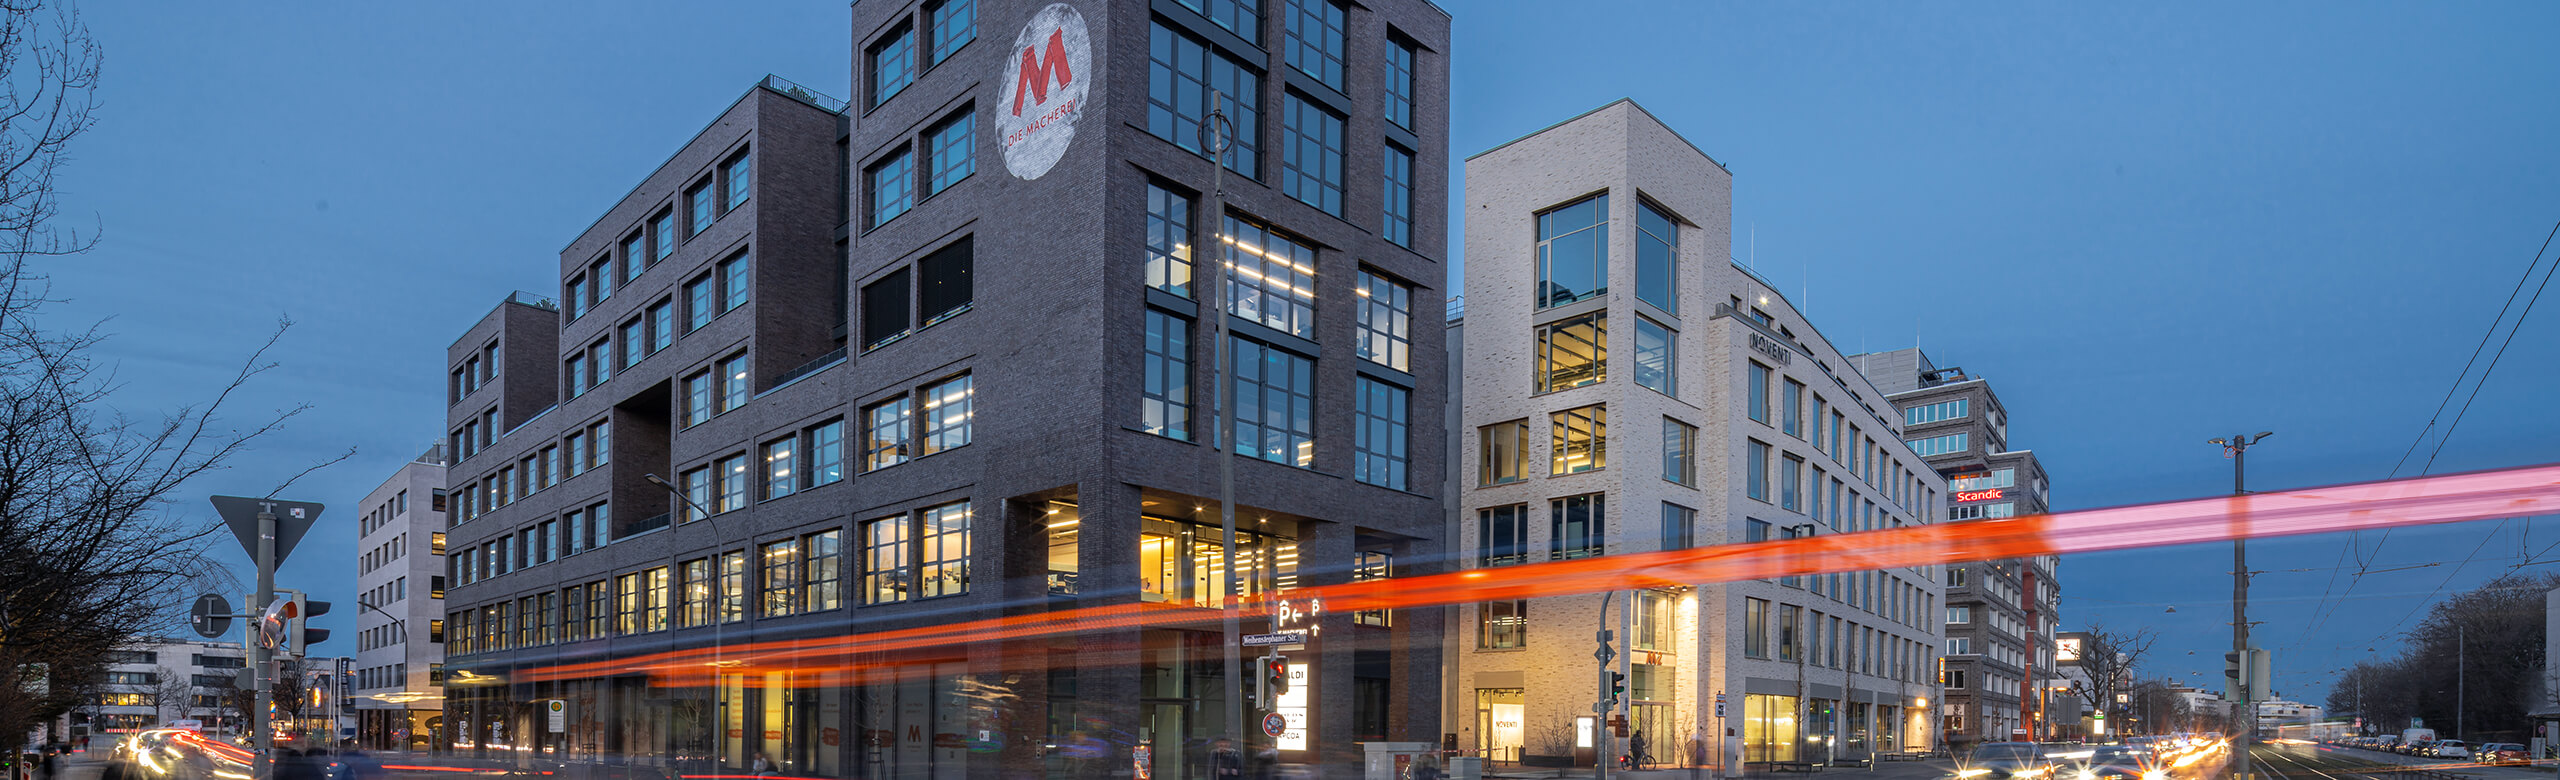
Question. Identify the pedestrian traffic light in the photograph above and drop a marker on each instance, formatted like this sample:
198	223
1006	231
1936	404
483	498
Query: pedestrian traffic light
1617	687
301	634
1275	670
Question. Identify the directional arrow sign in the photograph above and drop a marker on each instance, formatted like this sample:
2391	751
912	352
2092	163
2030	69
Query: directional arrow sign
211	615
293	518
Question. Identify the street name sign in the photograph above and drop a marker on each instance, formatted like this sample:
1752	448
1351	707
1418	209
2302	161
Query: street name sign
1275	640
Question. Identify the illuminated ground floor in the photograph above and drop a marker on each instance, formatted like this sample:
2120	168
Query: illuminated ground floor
415	730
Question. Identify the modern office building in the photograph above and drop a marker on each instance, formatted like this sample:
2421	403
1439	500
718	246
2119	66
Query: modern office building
400	584
2002	616
158	681
925	517
1630	389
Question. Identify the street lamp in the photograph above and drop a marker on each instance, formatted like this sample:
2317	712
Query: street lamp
2238	448
719	621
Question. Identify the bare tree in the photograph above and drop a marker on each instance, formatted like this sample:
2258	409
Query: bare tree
2109	659
169	691
92	553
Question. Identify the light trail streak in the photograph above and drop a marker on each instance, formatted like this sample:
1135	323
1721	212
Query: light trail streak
2445	498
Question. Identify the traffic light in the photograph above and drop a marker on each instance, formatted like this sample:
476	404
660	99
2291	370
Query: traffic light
1617	687
1275	673
301	635
2257	664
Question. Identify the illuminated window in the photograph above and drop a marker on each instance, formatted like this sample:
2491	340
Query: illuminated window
780	577
693	605
1504	452
733	586
1573	251
885	562
734	477
733	382
1370	566
1271	279
1581	441
944	537
824	574
1385	320
885	433
626	613
780	478
1573	352
653	611
1502	625
948	409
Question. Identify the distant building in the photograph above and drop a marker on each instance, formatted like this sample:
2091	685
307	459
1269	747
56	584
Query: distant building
2002	615
157	681
400	583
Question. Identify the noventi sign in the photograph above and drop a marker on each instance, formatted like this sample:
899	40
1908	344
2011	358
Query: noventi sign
1045	84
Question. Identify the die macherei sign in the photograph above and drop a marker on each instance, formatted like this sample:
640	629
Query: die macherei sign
1045	85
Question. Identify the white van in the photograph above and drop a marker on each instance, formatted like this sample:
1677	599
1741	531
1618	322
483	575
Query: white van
2409	737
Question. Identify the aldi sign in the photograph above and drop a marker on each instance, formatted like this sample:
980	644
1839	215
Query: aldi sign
1046	80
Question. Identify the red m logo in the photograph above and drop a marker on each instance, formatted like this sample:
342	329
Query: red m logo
1035	75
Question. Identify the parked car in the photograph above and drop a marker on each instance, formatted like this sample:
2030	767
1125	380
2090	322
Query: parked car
2386	743
2424	747
2451	748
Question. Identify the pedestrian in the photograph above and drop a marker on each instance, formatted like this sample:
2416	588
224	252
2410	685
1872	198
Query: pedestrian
1225	763
762	767
1635	750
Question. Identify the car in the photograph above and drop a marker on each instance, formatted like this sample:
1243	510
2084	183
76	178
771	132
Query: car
2115	762
2386	743
2451	748
2505	753
2419	748
2001	760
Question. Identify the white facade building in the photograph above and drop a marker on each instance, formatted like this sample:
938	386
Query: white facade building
400	573
1720	416
158	681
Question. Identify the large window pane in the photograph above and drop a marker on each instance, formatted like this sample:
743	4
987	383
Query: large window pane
1242	17
826	453
943	287
1168	240
1581	440
1502	625
1756	390
948	25
1757	464
1315	39
1577	526
884	309
1165	407
1505	452
1657	258
1311	163
1502	535
893	63
1385	321
1275	404
781	477
1399	91
893	186
822	581
1398	170
1654	368
885	562
944	569
1573	252
885	433
949	407
1679	452
947	149
1791	409
1272	278
1573	352
780	575
1379	434
1678	524
1181	73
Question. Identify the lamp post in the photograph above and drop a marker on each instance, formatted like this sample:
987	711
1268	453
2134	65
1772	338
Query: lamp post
2246	711
719	621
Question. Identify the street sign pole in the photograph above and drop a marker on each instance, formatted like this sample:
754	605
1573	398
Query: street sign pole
258	655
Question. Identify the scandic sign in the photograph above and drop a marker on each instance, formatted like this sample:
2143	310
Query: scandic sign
1044	90
1977	495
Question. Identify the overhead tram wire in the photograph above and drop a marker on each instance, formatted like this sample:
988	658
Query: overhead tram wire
2352	538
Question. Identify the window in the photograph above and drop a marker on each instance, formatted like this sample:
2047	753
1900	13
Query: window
893	63
1941	445
662	232
1399	91
575	369
635	341
893	186
1168	240
737	175
662	326
1758	392
1943	410
1581	440
1577	525
1379	434
1788	627
697	493
1959	645
1959	614
1657	258
948	408
1312	147
822	581
885	433
575	293
1502	625
1755	628
697	398
1314	39
885	561
1398	170
1182	71
1165	407
1502	535
699	208
1955	681
1996	478
599	364
1678	524
733	485
653	605
733	281
1573	251
884	309
949	24
1371	566
733	586
1385	321
1573	352
602	272
1275	404
779	578
945	538
626	612
779	480
1757	483
1272	279
733	382
947	150
1242	17
1653	357
1679	452
1504	456
699	306
1791	483
826	453
693	599
943	289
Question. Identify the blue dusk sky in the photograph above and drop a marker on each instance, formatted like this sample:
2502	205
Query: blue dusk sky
2148	225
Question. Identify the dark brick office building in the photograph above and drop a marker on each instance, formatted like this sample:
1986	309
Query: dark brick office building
936	361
